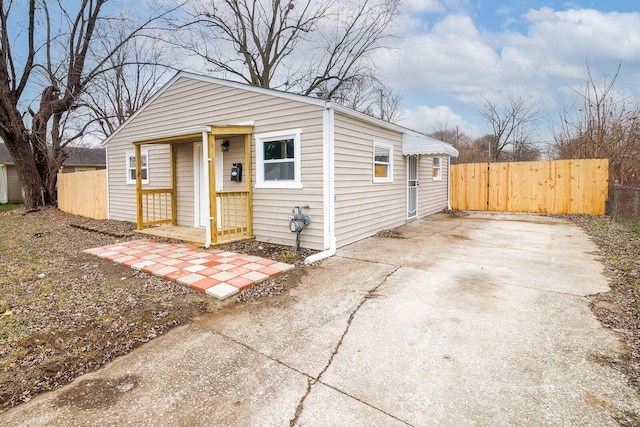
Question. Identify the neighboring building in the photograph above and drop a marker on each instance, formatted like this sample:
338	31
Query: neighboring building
211	154
80	159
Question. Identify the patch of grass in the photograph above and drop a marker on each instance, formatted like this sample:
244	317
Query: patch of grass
9	207
31	257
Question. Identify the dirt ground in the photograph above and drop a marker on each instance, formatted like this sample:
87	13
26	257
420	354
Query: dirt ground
64	313
619	309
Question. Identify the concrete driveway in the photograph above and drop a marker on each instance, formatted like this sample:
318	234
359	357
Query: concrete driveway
475	320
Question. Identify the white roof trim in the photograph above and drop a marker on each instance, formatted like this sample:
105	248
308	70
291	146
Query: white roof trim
421	144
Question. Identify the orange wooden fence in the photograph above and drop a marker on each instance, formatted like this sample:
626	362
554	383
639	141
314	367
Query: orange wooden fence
555	187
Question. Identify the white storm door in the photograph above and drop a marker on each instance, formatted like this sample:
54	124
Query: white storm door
412	186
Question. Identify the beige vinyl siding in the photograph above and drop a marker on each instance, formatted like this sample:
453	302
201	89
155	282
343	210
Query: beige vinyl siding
14	189
190	103
432	194
362	207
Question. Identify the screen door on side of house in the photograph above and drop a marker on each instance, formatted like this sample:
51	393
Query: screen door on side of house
412	186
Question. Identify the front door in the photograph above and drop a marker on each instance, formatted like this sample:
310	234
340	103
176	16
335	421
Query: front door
412	186
202	192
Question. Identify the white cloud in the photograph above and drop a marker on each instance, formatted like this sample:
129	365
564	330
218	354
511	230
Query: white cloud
424	6
453	58
426	119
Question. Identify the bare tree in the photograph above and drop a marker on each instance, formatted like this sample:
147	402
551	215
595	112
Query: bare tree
369	95
607	125
312	47
57	54
512	126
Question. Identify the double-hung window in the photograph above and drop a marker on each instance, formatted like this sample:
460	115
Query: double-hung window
382	162
437	168
278	159
131	167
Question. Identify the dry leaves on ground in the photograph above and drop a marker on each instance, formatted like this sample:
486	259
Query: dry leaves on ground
64	313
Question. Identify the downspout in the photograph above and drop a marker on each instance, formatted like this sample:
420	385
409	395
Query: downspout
106	167
329	187
449	183
205	165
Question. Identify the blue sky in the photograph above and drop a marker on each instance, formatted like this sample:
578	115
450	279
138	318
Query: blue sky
452	53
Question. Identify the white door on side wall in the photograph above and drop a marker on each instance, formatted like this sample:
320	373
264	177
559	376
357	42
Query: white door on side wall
412	186
202	193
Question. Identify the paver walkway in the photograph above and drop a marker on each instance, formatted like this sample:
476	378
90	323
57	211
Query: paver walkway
217	273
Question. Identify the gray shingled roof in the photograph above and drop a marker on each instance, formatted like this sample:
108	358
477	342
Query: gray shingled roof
77	156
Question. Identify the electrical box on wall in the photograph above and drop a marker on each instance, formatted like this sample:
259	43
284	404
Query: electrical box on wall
236	172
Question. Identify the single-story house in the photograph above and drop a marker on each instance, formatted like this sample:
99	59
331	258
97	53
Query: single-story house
230	161
80	159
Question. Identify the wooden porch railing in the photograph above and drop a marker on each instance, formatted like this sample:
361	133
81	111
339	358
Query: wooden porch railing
234	215
157	207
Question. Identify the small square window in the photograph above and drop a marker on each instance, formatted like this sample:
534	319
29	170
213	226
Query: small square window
437	168
278	159
382	162
131	167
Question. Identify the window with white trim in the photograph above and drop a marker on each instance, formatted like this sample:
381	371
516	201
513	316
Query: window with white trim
278	159
437	168
131	167
382	162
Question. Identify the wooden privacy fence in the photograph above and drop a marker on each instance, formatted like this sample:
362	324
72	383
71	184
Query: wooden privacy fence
555	187
83	193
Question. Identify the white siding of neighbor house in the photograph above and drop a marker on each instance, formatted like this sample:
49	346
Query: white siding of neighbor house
432	194
191	102
363	207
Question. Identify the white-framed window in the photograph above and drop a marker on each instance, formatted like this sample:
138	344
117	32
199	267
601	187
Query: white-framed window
131	167
382	162
437	168
278	159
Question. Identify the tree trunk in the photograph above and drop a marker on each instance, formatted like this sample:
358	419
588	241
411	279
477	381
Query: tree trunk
20	149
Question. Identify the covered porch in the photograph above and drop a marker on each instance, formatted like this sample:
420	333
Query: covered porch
225	216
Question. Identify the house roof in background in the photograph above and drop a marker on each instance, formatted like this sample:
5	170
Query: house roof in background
77	156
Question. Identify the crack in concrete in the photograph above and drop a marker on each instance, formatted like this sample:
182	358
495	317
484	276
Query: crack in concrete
371	293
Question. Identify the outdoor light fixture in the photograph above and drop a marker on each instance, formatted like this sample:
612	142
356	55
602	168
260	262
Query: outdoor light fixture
224	146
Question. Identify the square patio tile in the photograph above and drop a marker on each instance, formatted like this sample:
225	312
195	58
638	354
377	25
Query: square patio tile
225	267
239	262
190	278
223	276
265	261
282	266
172	261
253	266
209	271
240	282
143	264
153	267
165	270
204	284
222	291
239	270
227	254
270	271
256	276
195	268
175	275
251	258
123	259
